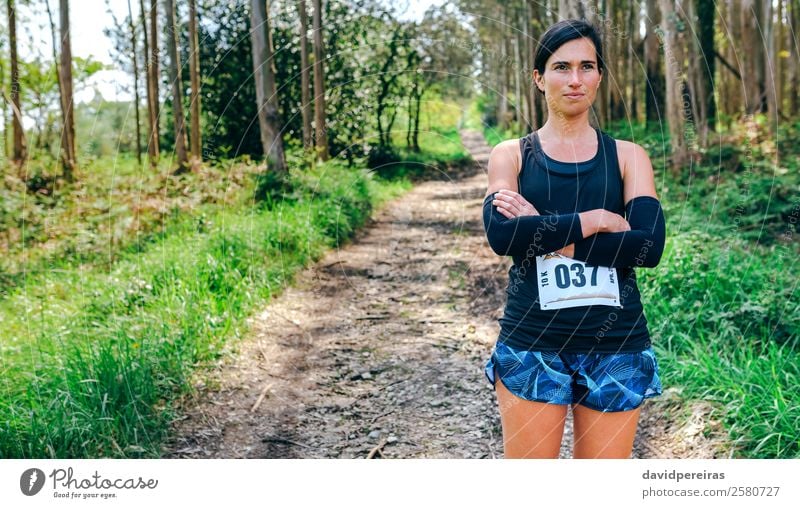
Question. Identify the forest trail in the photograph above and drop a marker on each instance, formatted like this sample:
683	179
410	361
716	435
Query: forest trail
378	349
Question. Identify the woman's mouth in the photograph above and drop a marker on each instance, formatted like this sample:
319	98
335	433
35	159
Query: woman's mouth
574	95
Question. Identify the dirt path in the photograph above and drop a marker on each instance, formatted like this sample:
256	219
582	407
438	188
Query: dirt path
378	349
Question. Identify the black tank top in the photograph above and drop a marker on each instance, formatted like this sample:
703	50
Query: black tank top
560	188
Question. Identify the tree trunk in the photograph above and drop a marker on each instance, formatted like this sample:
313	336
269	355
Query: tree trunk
415	137
502	110
794	60
530	89
518	121
135	85
19	150
770	57
266	90
695	79
321	131
195	142
177	87
674	57
305	78
632	61
779	51
44	140
654	86
153	144
751	55
68	158
706	64
573	9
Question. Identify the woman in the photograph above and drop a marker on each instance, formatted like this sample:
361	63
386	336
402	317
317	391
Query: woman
578	211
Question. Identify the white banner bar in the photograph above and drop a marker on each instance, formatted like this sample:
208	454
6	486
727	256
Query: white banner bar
357	483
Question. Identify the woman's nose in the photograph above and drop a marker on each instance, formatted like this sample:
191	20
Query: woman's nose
574	78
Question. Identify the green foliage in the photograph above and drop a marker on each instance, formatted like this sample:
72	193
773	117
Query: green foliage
725	317
93	359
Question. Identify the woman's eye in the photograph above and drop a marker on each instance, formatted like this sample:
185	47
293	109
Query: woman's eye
588	67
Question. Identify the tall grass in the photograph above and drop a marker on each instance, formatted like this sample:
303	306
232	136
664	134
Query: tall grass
92	360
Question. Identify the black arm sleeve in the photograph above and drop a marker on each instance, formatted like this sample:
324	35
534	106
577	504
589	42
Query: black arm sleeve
531	234
641	246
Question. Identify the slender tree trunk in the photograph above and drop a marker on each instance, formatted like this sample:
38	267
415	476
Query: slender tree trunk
321	131
266	90
674	57
502	110
177	87
57	69
4	141
572	9
518	105
794	60
634	42
530	89
68	157
147	69
706	63
19	149
654	87
779	51
305	77
195	142
415	140
153	144
750	55
135	85
695	79
769	67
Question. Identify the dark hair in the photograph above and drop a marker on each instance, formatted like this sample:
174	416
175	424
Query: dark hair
562	32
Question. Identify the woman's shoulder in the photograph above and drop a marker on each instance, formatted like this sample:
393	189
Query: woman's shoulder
630	155
507	149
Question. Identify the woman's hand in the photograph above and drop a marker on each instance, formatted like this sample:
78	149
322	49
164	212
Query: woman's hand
511	204
602	221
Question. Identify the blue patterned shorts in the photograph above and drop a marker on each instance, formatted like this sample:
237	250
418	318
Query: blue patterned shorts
603	382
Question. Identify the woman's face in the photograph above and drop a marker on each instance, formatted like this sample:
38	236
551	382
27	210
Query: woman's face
571	77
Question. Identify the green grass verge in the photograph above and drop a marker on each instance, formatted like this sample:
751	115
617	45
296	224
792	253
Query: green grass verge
92	360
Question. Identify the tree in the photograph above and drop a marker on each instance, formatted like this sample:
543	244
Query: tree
68	155
674	58
153	149
135	84
266	90
705	68
319	85
19	150
654	88
177	87
305	92
194	78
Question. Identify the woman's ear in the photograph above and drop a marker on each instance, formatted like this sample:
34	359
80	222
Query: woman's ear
538	80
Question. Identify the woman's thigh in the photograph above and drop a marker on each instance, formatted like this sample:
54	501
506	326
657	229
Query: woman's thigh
604	435
530	429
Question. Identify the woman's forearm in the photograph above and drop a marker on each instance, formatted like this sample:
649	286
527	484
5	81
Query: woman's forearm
529	235
641	246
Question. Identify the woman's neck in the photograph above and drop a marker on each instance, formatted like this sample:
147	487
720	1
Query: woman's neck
566	129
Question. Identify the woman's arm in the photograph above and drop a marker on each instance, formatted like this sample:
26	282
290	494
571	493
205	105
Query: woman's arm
513	225
644	243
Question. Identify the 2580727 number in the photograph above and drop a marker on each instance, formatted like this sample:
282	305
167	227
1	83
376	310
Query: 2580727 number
563	279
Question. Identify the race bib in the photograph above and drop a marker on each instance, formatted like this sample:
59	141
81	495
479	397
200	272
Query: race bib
565	282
